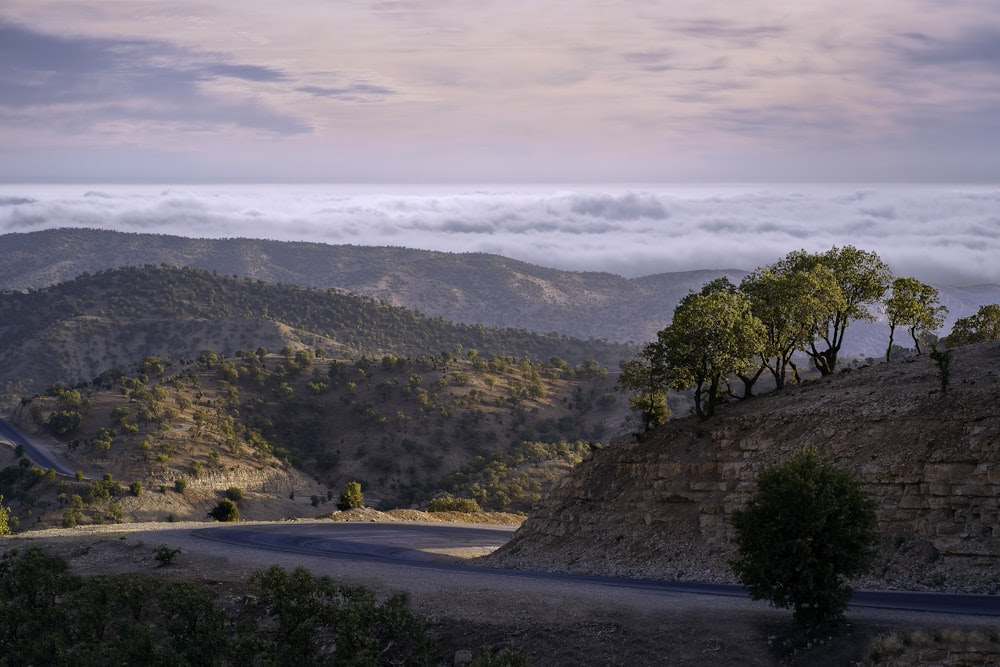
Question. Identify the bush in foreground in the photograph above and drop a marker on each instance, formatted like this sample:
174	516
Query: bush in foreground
52	617
808	527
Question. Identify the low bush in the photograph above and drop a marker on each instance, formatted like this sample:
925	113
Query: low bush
55	618
448	503
225	510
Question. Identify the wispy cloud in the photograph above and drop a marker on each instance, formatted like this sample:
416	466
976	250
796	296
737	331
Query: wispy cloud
353	92
83	81
976	45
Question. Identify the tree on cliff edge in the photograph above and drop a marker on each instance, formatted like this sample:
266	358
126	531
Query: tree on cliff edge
807	529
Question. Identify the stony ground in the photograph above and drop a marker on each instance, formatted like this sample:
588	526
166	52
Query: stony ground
659	508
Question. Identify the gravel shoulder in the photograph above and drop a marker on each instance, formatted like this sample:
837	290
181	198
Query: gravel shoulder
555	623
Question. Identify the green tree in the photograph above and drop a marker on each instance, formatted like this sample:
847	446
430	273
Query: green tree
713	334
225	510
979	328
915	305
791	303
862	278
351	497
808	527
64	422
645	384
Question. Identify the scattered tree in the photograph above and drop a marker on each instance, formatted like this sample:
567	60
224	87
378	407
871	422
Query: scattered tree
808	527
979	328
351	497
645	383
713	334
791	303
862	278
915	305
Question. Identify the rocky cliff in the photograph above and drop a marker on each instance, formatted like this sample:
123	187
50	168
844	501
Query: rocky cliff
659	508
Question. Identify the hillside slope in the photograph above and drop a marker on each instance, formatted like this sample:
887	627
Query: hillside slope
659	508
280	426
73	331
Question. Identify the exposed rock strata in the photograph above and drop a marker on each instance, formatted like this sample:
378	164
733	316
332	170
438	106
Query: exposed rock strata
659	508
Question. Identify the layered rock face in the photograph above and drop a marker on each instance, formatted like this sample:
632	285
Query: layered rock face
931	461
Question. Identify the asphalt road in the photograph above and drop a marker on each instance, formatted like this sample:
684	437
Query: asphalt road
36	453
419	545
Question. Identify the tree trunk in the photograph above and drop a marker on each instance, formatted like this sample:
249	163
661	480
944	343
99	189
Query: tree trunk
916	342
888	350
697	402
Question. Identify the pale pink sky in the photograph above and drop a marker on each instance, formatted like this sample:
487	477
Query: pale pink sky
488	91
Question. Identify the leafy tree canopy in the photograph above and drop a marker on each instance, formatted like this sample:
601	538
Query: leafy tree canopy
862	278
914	305
645	384
713	334
808	527
979	328
792	303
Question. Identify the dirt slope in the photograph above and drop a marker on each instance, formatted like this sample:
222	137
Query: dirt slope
659	508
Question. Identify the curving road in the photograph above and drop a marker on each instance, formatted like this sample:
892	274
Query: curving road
36	453
422	545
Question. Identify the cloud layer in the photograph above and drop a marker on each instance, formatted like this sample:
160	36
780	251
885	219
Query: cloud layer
940	234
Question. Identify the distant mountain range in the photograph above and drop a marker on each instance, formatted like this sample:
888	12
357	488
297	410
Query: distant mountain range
471	288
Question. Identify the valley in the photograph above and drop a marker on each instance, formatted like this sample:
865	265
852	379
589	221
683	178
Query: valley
171	391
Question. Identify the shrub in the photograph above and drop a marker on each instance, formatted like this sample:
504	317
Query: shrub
165	555
448	503
136	489
807	528
351	497
225	510
63	422
234	493
180	485
54	618
505	658
4	519
942	358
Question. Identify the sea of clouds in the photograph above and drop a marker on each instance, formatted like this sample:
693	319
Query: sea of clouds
940	234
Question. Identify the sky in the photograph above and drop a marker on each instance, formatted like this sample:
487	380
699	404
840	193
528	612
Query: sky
499	91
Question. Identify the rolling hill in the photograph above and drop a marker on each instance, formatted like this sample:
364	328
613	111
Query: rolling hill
499	430
73	331
470	288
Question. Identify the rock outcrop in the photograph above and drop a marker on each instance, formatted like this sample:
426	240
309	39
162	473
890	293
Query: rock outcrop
659	508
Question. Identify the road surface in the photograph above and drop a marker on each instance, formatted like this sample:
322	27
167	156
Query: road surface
35	452
422	545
